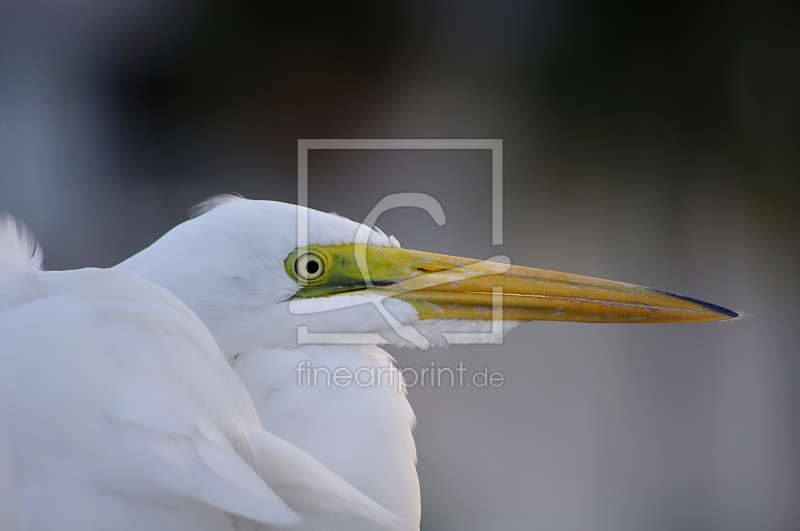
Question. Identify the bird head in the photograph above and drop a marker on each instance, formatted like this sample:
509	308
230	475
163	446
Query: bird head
242	268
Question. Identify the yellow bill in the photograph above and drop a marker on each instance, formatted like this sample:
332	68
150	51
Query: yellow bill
448	287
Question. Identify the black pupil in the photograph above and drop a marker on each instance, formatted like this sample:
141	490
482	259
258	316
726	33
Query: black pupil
312	266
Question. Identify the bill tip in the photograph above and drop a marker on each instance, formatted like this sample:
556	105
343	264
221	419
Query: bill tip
730	314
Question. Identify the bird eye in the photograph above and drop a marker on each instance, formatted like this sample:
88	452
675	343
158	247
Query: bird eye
309	266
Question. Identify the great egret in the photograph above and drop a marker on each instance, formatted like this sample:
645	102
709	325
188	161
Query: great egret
238	266
119	411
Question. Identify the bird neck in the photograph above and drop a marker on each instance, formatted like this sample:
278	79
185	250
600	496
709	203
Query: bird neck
345	406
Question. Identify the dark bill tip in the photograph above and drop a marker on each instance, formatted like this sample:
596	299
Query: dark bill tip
707	305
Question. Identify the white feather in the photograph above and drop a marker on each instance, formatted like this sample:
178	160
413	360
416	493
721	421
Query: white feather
119	411
228	266
362	432
20	253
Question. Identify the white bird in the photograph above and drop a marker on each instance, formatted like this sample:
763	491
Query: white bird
238	266
119	411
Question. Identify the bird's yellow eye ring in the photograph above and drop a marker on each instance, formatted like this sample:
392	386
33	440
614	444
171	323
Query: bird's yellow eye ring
309	266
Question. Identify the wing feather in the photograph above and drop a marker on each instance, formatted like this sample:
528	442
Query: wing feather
98	438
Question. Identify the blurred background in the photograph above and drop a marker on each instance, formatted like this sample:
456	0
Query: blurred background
655	143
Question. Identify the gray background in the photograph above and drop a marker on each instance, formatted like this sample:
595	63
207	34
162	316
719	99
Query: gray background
654	144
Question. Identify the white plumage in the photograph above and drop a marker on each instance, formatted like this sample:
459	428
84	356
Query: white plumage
118	411
228	265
